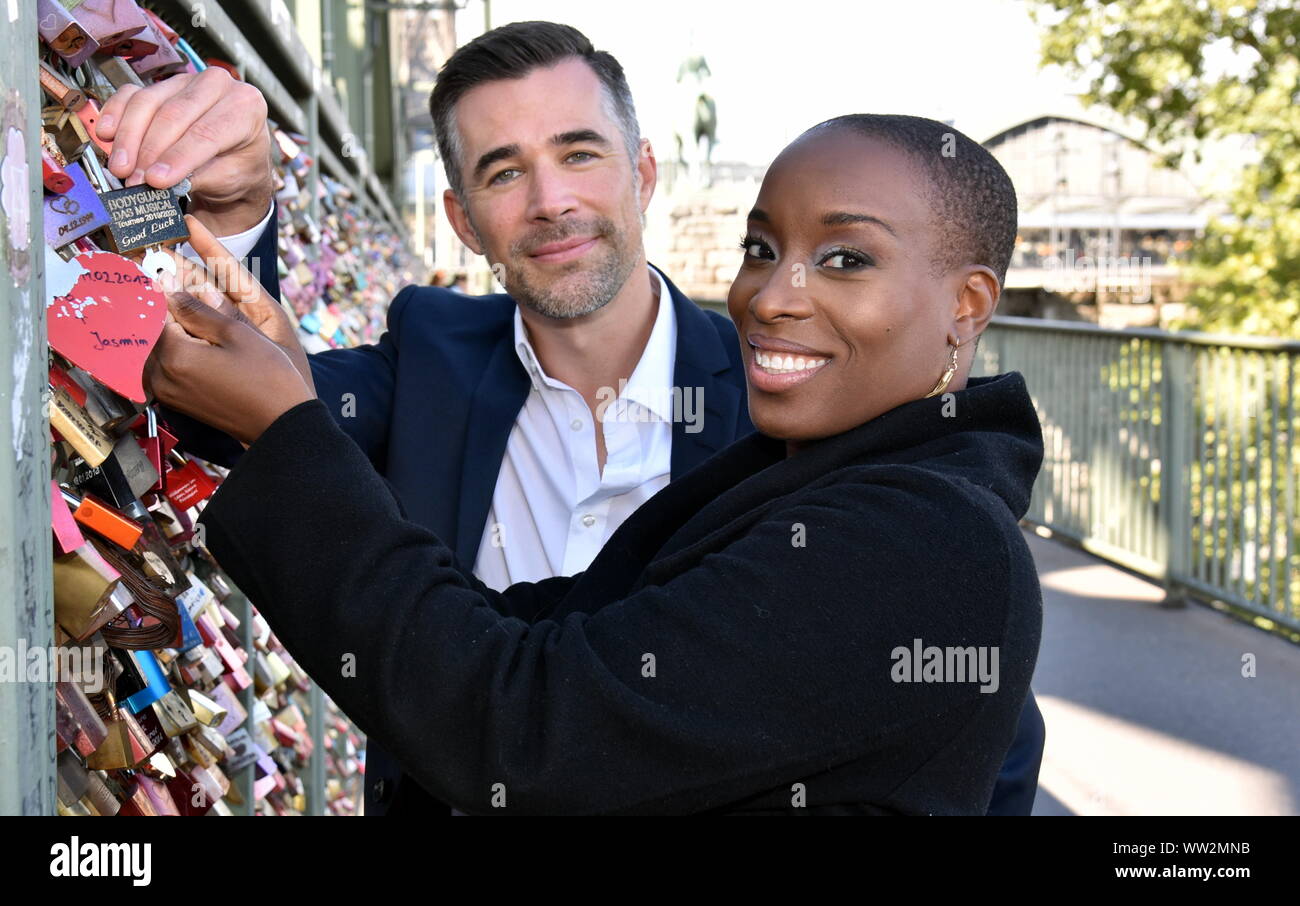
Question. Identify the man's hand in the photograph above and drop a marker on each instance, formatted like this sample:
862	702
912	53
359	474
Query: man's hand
208	124
221	371
251	303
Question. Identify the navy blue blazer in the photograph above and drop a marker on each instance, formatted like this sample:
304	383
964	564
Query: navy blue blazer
434	421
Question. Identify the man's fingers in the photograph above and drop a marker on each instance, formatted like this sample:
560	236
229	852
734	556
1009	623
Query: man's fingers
234	280
229	123
110	116
186	119
133	122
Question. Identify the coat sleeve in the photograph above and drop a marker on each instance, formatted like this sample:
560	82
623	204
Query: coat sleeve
356	385
767	662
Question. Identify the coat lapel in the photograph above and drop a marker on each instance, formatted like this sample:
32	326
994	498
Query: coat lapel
495	406
700	362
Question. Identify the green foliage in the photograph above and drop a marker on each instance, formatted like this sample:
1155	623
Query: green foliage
1193	71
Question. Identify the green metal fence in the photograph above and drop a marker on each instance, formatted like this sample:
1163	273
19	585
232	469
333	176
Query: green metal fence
1173	454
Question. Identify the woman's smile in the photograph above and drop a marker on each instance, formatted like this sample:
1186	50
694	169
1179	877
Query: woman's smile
776	365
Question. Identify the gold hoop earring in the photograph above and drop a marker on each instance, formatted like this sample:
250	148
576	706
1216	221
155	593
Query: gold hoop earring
947	375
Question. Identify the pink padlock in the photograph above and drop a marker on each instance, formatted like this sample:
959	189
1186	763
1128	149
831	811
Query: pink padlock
111	21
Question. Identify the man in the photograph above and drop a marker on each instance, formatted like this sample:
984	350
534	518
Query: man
483	412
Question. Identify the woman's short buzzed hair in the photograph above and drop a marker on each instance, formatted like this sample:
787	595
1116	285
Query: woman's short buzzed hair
511	52
973	200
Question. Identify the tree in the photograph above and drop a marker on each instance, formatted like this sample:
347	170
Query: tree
1193	71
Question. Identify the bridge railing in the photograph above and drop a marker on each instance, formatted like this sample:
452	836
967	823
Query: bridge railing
1173	454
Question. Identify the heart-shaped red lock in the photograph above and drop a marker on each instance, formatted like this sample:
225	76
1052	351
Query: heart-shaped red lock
104	315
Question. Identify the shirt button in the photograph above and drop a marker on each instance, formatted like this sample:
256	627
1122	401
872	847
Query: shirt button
589	520
576	424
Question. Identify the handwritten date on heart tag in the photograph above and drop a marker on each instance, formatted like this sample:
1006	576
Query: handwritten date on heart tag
104	315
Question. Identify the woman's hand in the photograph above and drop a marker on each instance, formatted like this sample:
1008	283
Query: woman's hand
221	370
242	289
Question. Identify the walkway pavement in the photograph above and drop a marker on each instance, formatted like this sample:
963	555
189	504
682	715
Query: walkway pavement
1146	708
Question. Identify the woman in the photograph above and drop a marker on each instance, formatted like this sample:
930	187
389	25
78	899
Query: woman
837	613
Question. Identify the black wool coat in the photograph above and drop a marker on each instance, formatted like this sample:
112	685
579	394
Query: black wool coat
736	646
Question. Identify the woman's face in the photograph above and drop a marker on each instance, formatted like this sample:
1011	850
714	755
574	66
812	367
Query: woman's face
837	273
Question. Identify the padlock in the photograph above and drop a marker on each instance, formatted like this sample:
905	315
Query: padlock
63	33
88	592
88	113
94	83
74	213
163	60
156	442
174	714
104	520
188	485
124	477
150	673
59	89
77	725
119	73
77	428
142	216
53	176
110	21
67	536
139	45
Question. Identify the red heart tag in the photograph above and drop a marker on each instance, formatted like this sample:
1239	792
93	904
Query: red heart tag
104	315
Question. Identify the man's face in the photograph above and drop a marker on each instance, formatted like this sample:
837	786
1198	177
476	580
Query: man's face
549	191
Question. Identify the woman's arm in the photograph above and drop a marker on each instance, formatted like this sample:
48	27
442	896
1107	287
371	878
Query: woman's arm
764	664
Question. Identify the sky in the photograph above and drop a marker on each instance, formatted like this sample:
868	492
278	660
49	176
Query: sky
779	68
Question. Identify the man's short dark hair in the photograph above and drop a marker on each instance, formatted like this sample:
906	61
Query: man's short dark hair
972	198
512	52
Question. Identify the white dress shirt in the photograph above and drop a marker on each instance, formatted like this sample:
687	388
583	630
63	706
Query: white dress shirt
240	244
553	508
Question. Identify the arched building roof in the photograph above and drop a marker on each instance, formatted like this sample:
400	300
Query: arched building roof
1071	172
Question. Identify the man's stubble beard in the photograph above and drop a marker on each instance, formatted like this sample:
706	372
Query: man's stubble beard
585	285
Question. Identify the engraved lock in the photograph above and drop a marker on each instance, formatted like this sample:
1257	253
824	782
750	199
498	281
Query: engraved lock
142	216
121	479
76	427
188	485
174	714
74	213
63	33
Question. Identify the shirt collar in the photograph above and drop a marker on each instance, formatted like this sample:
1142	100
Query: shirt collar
651	380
